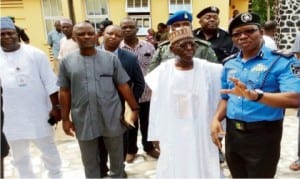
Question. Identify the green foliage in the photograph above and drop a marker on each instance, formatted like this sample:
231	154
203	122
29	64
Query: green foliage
260	7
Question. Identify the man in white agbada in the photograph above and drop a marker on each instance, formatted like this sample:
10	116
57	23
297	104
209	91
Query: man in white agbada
29	84
185	92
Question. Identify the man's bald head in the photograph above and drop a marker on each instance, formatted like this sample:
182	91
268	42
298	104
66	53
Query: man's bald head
113	28
81	25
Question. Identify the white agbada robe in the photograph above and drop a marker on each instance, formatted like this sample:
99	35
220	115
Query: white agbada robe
181	110
27	81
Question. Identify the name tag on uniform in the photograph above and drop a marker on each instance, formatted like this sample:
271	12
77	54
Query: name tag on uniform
22	80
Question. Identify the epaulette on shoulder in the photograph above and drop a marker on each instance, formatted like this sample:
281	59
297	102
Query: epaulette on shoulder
225	60
202	42
166	42
283	53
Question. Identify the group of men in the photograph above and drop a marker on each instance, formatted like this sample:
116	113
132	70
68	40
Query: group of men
179	108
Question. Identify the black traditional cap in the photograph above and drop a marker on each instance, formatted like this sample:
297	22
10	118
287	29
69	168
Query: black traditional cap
246	18
213	9
180	16
105	23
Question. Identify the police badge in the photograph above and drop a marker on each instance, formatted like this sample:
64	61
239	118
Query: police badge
295	67
246	17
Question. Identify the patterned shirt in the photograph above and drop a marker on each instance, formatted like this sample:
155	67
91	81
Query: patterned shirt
144	51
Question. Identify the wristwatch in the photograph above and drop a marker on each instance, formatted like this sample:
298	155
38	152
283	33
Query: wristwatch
136	108
260	94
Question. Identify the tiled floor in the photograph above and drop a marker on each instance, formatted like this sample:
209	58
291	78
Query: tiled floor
144	166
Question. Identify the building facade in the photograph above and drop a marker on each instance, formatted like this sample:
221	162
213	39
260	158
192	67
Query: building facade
38	16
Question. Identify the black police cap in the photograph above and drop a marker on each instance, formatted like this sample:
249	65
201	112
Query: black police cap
246	18
105	23
212	9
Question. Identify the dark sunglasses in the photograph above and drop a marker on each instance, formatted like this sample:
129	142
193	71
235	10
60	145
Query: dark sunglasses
245	32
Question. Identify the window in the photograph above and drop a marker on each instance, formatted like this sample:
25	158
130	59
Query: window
137	6
96	10
139	10
176	5
52	11
143	23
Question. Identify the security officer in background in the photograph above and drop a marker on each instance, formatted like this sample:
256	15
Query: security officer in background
21	32
177	20
220	40
257	85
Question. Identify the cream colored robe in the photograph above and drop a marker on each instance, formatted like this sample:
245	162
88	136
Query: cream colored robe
182	107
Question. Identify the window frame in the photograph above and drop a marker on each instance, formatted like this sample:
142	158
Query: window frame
51	17
96	18
178	7
137	9
142	30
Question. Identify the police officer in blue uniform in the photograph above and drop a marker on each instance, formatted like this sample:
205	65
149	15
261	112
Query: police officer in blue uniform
257	85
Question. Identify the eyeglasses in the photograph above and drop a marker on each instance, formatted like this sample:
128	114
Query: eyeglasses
186	44
245	32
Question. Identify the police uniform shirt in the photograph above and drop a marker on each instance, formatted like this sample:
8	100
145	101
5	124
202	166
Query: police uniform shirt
283	76
221	43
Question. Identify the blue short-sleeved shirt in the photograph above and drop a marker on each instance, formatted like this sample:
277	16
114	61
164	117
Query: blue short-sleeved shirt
281	77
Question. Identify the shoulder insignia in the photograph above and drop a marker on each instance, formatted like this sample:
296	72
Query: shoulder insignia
201	42
283	53
166	42
230	57
295	67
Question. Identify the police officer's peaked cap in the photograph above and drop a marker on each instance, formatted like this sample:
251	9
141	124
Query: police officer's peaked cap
105	23
212	9
246	18
180	16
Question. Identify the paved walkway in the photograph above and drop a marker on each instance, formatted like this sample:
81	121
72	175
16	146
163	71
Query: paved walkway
144	166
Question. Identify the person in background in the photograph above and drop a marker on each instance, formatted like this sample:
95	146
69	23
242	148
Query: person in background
90	80
269	30
162	33
144	52
220	40
30	98
54	38
102	25
296	49
151	37
4	144
234	14
257	85
21	32
67	43
163	53
112	38
185	93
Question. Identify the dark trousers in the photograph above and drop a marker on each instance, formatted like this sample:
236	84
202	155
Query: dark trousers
2	168
253	153
131	134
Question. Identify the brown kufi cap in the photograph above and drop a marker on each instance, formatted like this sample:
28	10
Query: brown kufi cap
181	33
